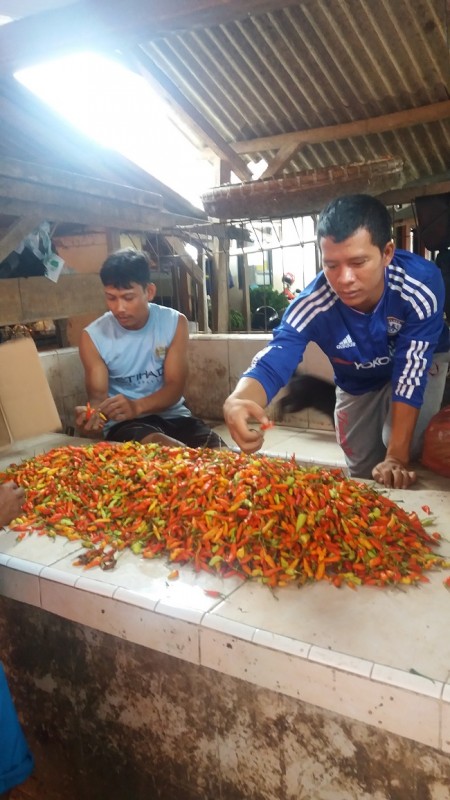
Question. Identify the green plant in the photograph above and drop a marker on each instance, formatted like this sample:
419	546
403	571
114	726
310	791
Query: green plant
236	320
267	296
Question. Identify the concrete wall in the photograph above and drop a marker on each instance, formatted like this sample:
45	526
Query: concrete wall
215	365
110	720
25	300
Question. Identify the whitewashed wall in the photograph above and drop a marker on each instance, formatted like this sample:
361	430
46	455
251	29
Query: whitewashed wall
215	365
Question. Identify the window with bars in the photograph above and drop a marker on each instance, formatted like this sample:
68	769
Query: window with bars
276	248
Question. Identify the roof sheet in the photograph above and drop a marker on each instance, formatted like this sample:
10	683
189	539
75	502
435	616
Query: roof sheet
314	64
250	71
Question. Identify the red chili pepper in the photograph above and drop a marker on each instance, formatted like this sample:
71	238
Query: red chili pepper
226	513
267	425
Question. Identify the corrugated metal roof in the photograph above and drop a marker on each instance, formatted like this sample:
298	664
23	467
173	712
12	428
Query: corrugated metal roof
246	71
315	64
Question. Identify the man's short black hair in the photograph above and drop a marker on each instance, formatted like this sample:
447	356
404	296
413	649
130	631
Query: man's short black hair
125	267
342	217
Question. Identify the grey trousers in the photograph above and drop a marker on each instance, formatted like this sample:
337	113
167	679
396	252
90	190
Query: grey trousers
363	422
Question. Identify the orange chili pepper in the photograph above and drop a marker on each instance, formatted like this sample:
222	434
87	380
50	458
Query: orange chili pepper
262	518
267	425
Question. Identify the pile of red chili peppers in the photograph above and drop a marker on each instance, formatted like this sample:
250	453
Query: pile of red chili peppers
258	517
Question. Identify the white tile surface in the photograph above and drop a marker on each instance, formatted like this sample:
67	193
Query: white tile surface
419	684
445	719
342	661
378	656
352	695
188	597
309	446
58	575
95	586
18	451
110	615
71	371
24	566
150	580
135	599
230	627
397	627
17	584
41	549
274	641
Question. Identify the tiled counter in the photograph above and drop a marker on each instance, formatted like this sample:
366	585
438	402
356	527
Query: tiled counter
378	657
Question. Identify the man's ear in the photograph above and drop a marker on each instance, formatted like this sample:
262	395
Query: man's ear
388	253
151	291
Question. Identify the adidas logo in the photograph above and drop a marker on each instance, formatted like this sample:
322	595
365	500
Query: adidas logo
347	341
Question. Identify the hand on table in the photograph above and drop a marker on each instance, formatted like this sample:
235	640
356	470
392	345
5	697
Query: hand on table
12	498
394	474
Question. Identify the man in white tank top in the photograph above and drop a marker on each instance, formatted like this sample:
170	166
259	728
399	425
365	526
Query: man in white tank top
135	363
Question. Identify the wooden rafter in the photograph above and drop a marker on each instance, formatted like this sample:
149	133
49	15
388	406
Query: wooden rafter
29	190
432	184
113	23
281	159
346	130
19	172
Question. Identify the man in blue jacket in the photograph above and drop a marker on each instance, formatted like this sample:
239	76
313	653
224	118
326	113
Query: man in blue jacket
16	761
377	313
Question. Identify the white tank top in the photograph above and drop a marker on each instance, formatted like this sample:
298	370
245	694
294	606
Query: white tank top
135	359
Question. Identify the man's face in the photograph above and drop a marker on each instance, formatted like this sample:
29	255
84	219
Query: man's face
130	306
355	269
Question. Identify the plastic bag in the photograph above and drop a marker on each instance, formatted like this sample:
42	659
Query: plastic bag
436	443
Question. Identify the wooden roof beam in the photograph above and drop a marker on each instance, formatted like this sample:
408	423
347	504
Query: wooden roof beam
35	176
432	184
114	24
281	159
29	190
347	130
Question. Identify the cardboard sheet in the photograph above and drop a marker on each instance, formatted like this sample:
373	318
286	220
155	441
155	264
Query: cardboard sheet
27	407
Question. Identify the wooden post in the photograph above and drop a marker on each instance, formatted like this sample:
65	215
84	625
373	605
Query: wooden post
223	306
112	240
402	237
202	302
184	282
219	269
175	275
246	294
